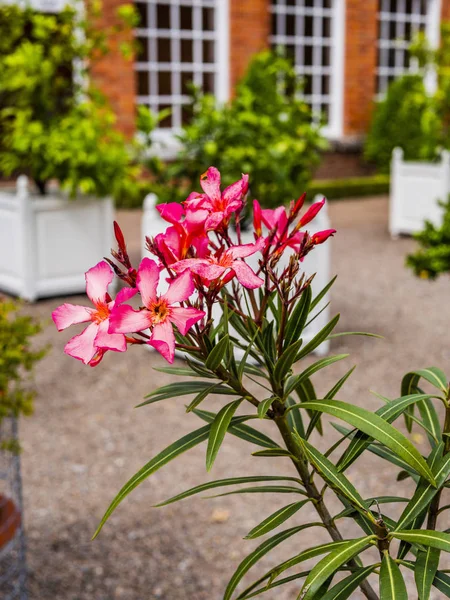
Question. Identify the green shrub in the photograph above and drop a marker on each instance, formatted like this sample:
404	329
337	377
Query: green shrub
334	189
52	125
266	130
433	256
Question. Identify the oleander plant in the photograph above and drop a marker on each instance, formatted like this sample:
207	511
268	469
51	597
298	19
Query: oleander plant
256	355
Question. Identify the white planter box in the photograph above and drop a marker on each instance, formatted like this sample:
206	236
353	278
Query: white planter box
416	188
317	261
48	243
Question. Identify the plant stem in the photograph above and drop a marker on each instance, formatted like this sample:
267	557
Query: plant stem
314	494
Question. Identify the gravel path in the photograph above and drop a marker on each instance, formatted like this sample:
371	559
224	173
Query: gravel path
85	439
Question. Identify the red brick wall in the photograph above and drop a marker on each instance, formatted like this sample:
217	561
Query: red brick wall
113	73
446	10
249	33
360	64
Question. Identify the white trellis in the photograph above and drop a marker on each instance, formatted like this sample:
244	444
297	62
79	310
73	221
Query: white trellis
416	188
317	261
47	243
312	35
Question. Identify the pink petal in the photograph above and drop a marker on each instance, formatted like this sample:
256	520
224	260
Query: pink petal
209	271
109	341
184	318
214	220
246	276
82	346
123	319
97	281
69	314
172	212
274	217
236	191
246	249
189	263
125	294
311	212
163	340
210	183
180	288
147	280
195	220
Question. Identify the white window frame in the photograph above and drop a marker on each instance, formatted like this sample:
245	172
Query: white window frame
334	129
431	22
165	140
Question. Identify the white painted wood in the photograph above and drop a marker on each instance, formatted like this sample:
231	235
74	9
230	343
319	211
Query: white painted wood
317	261
416	188
48	243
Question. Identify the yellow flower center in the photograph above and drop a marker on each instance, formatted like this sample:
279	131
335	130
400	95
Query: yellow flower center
102	312
159	311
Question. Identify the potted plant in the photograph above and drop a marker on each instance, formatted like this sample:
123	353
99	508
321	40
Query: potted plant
57	136
17	358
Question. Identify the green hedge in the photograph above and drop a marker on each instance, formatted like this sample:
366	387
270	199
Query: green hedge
334	189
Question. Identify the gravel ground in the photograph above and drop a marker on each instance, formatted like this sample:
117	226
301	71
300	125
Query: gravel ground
85	439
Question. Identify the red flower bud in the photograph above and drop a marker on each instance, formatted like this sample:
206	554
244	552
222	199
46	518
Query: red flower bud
298	205
311	213
119	237
321	236
257	218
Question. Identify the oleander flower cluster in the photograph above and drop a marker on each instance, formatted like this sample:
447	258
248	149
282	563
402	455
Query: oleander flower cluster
199	254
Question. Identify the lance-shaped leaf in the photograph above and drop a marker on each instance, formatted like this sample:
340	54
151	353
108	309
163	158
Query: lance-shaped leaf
272	489
343	589
294	381
217	354
201	396
425	492
331	475
185	443
425	570
240	430
275	572
180	372
392	584
294	417
256	555
276	519
219	427
330	564
389	412
274	452
424	537
264	406
431	374
318	338
430	420
322	294
306	393
442	583
198	489
377	428
298	316
278	583
184	388
285	362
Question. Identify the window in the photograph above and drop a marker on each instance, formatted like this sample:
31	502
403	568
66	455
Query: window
398	22
180	41
312	35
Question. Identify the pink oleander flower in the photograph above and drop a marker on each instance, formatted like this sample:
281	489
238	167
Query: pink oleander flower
159	313
276	220
220	205
90	345
212	268
187	231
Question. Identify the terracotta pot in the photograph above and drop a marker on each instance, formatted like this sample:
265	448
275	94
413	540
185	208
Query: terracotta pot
9	520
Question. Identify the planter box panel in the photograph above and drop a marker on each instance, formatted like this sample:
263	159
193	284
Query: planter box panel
10	258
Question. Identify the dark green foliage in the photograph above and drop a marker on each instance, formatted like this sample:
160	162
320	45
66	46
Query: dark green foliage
265	130
353	187
433	256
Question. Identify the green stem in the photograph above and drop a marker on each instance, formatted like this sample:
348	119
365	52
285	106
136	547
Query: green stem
313	493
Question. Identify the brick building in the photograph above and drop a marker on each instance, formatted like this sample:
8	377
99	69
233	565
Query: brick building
346	51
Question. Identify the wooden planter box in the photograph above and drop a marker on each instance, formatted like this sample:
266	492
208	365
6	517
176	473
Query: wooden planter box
317	261
416	188
48	243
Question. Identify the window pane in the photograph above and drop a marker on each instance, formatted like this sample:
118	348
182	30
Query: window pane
164	50
143	14
167	121
208	51
142	49
143	88
164	83
186	51
208	19
186	80
208	83
185	17
163	16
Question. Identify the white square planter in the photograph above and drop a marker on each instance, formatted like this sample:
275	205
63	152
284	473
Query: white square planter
317	261
416	188
48	243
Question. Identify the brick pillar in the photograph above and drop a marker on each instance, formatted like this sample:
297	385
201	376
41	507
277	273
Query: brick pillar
360	64
113	74
249	34
445	16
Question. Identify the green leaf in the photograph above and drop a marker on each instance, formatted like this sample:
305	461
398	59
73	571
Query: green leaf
425	537
183	372
217	353
219	427
274	452
277	518
430	420
201	396
331	475
306	393
182	445
183	388
318	338
297	319
263	489
256	555
243	362
431	374
285	362
392	585
425	570
309	371
442	583
322	294
278	583
343	589
363	333
331	563
264	406
222	483
294	418
376	427
240	430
